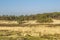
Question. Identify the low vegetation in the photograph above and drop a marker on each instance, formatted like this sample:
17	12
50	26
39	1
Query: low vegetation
13	31
41	18
14	35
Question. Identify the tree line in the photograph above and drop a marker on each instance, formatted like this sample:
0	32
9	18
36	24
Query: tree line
42	18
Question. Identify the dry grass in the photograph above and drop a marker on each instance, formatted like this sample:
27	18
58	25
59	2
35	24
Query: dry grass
8	22
34	31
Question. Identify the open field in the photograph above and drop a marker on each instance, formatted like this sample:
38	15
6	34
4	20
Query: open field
40	32
46	31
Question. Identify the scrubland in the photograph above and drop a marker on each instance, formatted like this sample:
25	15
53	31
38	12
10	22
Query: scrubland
42	32
33	27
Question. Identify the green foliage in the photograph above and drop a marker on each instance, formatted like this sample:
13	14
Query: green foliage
43	18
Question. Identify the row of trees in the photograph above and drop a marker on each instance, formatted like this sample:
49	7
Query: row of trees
45	17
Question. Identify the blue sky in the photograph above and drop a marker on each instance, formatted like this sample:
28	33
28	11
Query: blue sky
23	7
